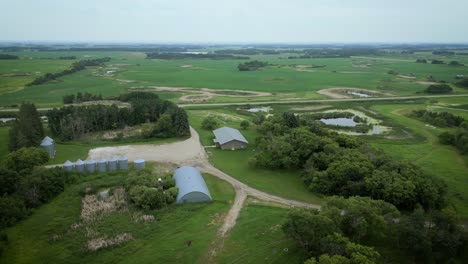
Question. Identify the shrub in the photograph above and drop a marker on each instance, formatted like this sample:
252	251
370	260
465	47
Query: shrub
209	123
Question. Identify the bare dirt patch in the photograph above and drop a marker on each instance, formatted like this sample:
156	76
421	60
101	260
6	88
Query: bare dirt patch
407	76
342	92
426	83
202	94
354	72
186	66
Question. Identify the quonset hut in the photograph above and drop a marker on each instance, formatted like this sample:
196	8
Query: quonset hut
48	145
192	186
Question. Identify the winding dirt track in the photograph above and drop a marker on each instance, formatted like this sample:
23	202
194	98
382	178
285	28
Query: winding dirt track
191	152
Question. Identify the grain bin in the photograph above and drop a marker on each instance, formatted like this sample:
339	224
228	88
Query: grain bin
139	164
68	165
123	163
48	145
112	164
101	165
90	165
79	166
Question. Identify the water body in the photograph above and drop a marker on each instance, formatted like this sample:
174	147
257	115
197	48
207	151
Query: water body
360	94
346	122
259	109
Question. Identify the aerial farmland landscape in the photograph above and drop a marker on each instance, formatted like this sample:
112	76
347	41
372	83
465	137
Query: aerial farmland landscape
234	132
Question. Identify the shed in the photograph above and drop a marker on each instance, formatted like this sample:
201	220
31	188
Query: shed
68	165
48	145
229	138
90	165
112	164
79	165
101	165
139	164
123	163
192	186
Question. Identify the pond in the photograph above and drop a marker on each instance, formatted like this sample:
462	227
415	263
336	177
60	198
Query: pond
359	94
259	109
347	122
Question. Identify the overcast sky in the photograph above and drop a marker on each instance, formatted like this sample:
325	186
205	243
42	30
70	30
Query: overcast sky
235	21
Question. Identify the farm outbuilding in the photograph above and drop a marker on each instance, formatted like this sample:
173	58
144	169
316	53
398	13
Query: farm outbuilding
90	165
192	186
112	163
48	145
79	165
229	138
123	163
101	165
139	164
68	165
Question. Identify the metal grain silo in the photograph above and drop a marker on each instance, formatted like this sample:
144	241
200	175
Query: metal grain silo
139	164
79	166
112	164
48	145
90	165
101	165
68	165
123	163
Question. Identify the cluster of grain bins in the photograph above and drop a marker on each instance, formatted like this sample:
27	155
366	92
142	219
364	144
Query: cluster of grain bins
48	145
102	165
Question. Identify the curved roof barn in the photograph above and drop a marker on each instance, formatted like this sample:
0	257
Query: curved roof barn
192	186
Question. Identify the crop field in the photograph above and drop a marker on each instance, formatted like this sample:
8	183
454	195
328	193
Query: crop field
163	240
284	78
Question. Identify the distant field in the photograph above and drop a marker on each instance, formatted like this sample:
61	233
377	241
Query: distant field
286	78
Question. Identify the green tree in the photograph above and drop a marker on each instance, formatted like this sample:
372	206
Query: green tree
209	123
244	124
27	130
180	122
25	159
9	181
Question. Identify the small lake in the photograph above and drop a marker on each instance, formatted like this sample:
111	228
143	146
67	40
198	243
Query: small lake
347	122
359	94
259	109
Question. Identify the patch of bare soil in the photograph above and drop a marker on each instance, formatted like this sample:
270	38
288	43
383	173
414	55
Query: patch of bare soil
305	70
407	76
426	83
201	94
342	92
353	72
361	65
126	81
186	66
310	108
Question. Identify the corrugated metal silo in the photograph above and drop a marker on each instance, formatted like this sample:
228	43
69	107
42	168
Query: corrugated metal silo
68	165
101	165
79	166
123	163
139	164
90	165
48	145
112	164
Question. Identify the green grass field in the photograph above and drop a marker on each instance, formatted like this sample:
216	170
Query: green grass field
162	241
282	78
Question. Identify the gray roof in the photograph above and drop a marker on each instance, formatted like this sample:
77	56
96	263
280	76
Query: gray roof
139	161
68	163
192	187
101	160
47	141
79	162
227	134
90	161
48	138
123	158
112	159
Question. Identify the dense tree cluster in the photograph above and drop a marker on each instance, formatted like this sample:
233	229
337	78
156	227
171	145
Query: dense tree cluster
252	65
76	66
456	63
457	138
181	56
334	234
421	61
27	129
463	83
440	119
146	192
333	163
167	119
67	58
336	53
8	57
80	97
443	52
438	89
437	62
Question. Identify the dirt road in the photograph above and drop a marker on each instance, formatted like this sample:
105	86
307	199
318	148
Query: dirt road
191	152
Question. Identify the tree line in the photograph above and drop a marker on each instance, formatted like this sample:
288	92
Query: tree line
252	65
438	89
27	130
181	56
338	164
336	233
76	66
440	119
252	51
166	119
8	57
80	97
